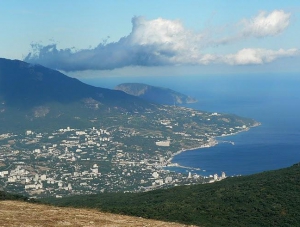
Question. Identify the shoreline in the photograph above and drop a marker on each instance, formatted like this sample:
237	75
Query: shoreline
169	163
212	141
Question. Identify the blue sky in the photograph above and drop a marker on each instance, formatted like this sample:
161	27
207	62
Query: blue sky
122	38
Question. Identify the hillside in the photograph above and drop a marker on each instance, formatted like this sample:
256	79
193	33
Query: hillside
9	196
265	199
16	213
155	94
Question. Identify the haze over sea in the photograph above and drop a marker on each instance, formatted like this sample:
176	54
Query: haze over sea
272	99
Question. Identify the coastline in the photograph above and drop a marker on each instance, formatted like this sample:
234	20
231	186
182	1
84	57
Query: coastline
212	141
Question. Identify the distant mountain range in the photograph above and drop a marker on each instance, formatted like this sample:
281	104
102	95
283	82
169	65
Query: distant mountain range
155	94
30	93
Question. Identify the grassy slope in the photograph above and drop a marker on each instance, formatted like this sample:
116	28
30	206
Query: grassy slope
16	213
266	199
18	210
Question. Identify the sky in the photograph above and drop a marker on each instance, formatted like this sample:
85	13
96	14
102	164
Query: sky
94	38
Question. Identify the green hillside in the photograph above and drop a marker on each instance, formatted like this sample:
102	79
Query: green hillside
266	199
9	196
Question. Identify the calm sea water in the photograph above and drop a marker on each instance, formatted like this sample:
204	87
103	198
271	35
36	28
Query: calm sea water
274	100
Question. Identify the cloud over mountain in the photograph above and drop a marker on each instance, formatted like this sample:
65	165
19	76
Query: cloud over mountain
162	42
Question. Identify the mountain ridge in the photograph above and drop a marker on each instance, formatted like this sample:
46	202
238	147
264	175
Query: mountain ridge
155	94
51	85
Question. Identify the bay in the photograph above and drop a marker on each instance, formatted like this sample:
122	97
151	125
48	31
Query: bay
272	99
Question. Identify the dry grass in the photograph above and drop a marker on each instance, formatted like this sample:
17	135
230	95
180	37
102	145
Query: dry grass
14	213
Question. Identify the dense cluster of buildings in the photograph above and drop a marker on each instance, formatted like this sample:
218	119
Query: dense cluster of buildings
129	154
70	161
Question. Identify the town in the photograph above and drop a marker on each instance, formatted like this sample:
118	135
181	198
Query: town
71	161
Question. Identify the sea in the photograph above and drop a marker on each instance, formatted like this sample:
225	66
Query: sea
272	99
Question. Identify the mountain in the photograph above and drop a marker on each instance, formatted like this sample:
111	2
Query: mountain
155	94
32	93
265	199
27	85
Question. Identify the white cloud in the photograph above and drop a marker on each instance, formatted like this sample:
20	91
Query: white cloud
168	34
151	43
257	56
167	39
265	24
163	42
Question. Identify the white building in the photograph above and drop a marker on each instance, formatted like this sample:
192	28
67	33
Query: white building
28	132
165	143
223	175
168	180
215	176
155	174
